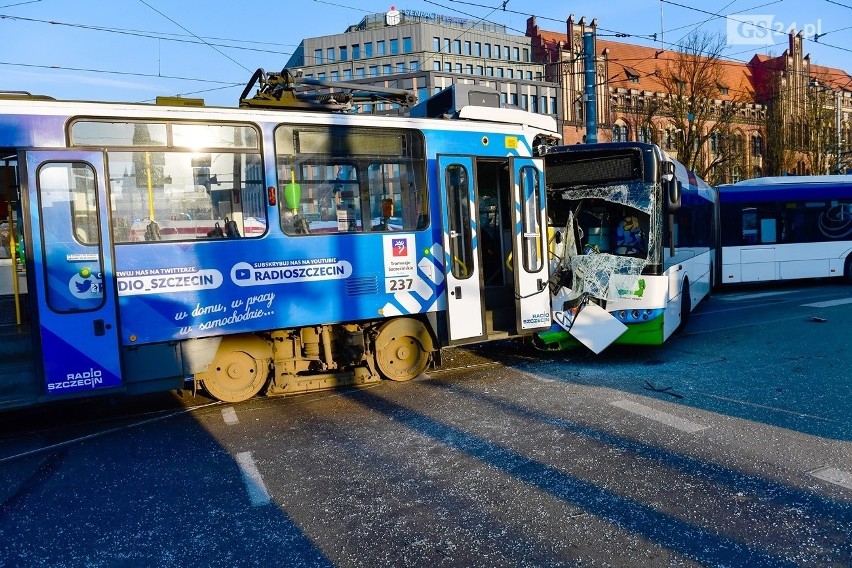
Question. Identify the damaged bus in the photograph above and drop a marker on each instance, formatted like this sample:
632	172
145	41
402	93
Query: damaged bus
632	243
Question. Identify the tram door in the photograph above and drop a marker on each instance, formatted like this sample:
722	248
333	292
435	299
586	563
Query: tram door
494	247
72	255
461	263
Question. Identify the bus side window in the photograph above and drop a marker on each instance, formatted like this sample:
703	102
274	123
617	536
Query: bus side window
750	236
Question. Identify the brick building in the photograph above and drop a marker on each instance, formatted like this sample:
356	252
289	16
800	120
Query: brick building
807	107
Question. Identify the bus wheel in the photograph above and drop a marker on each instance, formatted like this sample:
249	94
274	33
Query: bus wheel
235	375
402	349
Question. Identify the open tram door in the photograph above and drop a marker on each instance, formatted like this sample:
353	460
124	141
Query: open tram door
501	200
70	250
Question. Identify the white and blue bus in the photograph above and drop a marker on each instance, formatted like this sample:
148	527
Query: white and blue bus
633	241
249	250
786	228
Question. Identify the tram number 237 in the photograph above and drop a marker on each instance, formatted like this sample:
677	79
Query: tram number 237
398	284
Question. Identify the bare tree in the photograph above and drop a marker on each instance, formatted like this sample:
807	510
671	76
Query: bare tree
819	121
698	106
779	154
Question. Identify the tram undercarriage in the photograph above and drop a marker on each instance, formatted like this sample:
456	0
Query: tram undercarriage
316	358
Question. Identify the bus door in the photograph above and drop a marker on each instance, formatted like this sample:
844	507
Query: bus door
72	256
465	313
530	246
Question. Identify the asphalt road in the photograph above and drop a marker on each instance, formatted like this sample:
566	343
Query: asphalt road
729	446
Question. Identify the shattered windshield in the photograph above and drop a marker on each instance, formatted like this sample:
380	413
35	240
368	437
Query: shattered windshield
602	231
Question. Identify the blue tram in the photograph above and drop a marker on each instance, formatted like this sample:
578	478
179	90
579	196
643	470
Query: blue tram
249	250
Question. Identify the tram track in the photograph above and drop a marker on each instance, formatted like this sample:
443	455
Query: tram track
126	421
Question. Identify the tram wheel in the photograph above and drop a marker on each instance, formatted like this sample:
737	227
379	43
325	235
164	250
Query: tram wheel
234	376
402	349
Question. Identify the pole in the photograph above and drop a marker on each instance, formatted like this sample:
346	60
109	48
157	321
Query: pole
837	124
591	104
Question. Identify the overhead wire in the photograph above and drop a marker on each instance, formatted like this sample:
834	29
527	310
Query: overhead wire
501	7
193	34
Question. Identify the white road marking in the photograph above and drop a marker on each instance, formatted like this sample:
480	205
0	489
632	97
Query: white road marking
748	296
659	416
833	475
254	482
229	415
829	303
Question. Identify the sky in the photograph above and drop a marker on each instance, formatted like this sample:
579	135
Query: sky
136	50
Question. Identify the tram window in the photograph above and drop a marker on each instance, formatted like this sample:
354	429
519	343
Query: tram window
459	215
169	181
69	229
345	180
187	195
532	219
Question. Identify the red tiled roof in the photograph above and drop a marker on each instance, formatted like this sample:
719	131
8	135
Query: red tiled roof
645	61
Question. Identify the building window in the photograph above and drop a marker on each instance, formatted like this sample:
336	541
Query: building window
356	51
387	69
448	67
359	72
524	102
526	55
497	52
330	52
468	69
529	75
511	73
467	50
757	145
516	54
553	107
344	53
436	44
406	45
368	49
374	70
347	74
480	70
501	72
436	66
335	76
394	46
446	45
414	66
380	47
508	52
317	57
400	67
620	133
489	71
488	50
477	49
458	68
513	99
457	46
